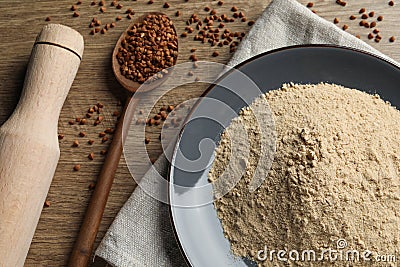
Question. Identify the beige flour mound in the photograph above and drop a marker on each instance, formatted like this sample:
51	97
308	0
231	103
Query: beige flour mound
335	176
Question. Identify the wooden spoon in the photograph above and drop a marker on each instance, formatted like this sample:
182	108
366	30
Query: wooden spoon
83	248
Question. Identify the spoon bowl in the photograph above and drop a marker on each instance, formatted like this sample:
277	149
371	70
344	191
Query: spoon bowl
128	84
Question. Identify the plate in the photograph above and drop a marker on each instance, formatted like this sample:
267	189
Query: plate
196	225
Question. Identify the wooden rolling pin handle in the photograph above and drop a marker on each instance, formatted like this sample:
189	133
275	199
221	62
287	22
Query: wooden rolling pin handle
29	150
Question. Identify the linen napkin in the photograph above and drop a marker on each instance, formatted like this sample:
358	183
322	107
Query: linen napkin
141	234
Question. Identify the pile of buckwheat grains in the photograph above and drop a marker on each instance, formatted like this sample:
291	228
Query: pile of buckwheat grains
335	176
148	48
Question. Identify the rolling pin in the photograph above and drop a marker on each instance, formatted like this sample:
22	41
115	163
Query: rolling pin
29	150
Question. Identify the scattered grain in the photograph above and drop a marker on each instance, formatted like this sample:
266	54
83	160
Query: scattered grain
372	24
47	204
109	131
75	143
251	23
341	3
77	167
193	57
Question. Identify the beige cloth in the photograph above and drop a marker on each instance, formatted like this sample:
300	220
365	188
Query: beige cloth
141	234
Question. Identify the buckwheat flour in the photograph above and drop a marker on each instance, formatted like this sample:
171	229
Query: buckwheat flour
334	178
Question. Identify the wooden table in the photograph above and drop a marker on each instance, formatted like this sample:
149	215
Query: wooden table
70	193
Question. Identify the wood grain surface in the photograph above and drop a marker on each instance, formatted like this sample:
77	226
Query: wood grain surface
69	194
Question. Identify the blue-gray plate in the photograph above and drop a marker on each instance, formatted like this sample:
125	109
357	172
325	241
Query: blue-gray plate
198	229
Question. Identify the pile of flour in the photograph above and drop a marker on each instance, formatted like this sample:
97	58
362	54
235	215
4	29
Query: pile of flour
334	176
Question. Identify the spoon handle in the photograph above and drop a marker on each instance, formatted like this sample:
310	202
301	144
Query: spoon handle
83	248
